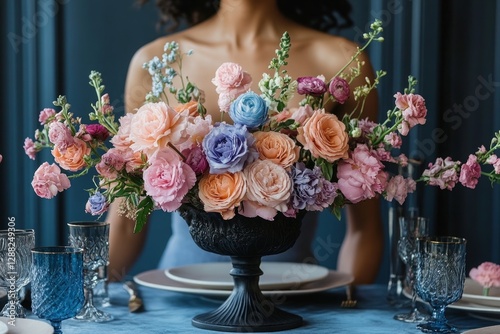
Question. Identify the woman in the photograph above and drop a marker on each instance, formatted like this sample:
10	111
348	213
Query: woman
247	32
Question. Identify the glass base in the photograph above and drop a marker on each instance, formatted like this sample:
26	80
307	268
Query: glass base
413	317
94	315
437	327
16	310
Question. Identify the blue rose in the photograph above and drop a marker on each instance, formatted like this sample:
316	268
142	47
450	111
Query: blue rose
228	147
96	204
249	109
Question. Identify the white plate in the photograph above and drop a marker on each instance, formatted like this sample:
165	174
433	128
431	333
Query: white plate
473	292
484	330
3	328
25	326
277	275
158	280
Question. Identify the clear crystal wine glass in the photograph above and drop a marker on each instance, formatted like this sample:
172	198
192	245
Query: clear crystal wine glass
57	283
440	277
93	238
15	267
410	229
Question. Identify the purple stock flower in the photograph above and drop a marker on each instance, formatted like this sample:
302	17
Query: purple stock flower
97	131
340	90
96	204
228	148
311	86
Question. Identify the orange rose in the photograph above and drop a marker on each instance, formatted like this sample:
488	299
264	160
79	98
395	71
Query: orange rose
324	136
191	106
276	147
72	158
222	192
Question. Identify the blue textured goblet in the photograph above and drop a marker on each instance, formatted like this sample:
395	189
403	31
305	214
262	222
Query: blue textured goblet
93	237
15	267
57	283
440	277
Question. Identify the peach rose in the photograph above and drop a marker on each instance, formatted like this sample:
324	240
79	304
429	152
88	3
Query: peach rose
222	192
324	136
72	158
276	147
121	140
191	107
154	126
268	185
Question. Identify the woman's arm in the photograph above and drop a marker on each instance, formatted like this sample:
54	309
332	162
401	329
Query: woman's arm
362	248
125	246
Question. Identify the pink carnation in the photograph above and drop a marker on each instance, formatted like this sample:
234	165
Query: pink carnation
398	188
60	136
48	181
29	148
45	114
487	274
167	180
393	139
413	109
361	176
470	172
495	161
230	77
111	163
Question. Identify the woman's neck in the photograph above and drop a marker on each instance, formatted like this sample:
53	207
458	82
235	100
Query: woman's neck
243	23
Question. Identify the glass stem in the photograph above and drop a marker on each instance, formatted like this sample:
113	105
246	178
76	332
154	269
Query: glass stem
57	327
438	315
89	297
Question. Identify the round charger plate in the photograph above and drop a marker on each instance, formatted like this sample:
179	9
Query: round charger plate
473	292
24	326
484	330
277	275
158	280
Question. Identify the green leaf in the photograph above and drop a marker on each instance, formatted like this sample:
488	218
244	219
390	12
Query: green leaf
143	211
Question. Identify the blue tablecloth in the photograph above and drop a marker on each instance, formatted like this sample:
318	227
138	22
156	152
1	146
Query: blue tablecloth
171	312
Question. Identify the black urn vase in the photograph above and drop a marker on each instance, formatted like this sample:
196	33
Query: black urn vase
245	240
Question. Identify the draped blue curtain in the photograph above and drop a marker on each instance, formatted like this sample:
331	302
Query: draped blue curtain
451	46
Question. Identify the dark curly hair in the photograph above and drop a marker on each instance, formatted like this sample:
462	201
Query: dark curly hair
323	15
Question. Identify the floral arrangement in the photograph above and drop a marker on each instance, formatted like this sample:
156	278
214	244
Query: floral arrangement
487	274
272	158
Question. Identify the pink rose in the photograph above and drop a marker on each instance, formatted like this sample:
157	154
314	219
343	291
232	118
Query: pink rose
225	100
361	176
398	188
154	126
268	185
196	159
60	135
46	114
301	114
325	136
487	274
111	163
340	90
48	181
230	77
470	172
121	140
29	148
167	180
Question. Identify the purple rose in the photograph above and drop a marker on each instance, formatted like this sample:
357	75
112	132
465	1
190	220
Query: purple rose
311	86
96	204
97	131
228	148
196	159
340	90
